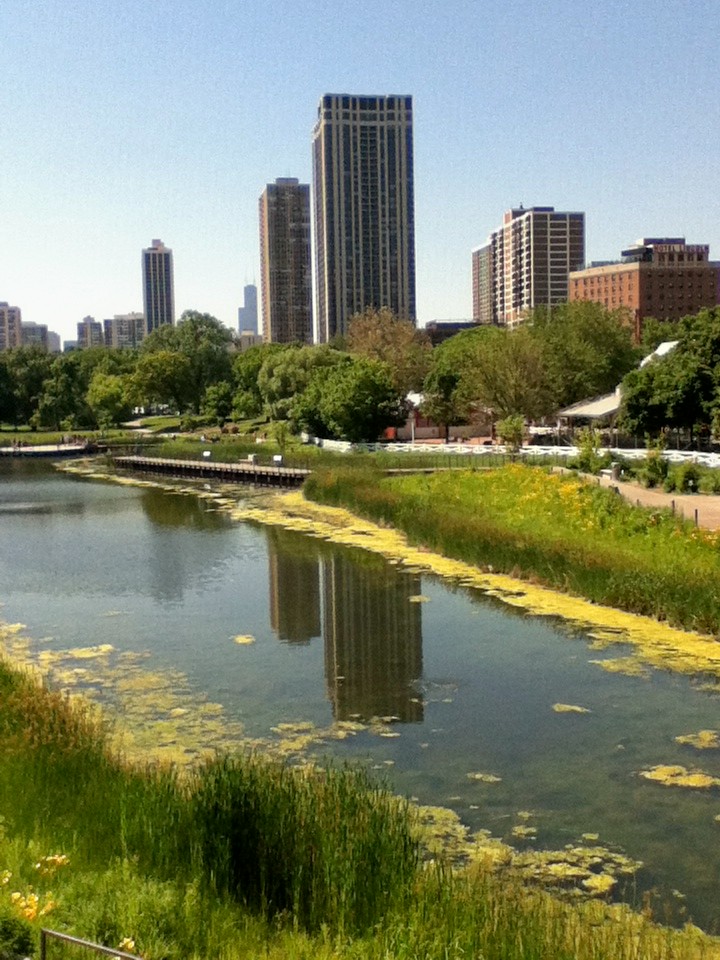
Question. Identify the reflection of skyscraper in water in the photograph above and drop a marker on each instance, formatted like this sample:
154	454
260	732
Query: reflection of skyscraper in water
294	575
373	639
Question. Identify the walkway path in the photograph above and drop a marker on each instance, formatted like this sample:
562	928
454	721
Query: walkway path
706	505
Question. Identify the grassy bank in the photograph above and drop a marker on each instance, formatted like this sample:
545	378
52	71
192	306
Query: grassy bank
553	529
247	858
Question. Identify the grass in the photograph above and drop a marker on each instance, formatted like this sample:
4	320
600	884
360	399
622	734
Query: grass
248	859
231	448
553	529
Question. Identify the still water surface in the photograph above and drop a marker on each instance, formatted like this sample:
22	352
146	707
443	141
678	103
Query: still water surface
470	681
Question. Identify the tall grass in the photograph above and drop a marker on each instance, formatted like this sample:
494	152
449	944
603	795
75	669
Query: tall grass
249	858
320	846
558	530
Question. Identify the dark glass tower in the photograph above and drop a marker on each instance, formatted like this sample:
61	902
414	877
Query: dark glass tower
364	208
158	285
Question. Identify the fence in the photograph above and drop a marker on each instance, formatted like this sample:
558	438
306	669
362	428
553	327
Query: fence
83	945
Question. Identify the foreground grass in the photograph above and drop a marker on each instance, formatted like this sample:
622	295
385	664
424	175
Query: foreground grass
248	859
553	529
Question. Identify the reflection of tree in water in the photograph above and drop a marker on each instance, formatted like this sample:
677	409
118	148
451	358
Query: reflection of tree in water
373	638
177	559
181	510
294	576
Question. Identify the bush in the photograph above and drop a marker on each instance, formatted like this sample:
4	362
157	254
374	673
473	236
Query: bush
688	478
589	459
189	423
654	471
710	481
511	431
16	938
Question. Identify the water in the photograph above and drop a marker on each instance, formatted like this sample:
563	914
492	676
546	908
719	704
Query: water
468	681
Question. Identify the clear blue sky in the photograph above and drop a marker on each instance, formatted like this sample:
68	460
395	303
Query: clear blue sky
134	119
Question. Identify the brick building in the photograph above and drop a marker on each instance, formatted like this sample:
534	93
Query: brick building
664	278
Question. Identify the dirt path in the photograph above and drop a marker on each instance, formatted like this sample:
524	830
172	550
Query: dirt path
686	504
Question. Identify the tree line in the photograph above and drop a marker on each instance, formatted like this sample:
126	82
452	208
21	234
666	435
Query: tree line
355	387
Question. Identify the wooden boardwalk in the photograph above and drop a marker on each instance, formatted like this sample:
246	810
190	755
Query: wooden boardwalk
243	471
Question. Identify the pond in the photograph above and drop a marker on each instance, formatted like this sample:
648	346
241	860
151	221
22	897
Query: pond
163	606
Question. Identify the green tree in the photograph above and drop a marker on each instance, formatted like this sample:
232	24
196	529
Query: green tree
63	397
107	398
511	431
442	399
28	368
161	376
217	403
7	392
286	374
587	349
204	344
509	377
247	400
380	335
358	400
655	332
680	390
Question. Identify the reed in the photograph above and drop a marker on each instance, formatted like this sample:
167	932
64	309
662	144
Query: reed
321	846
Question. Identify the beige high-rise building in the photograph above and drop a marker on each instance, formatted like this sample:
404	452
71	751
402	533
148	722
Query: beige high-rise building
285	262
89	333
526	263
125	330
482	285
10	327
364	208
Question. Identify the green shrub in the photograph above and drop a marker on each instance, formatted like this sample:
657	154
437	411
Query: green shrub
654	471
688	478
16	939
511	431
589	459
710	481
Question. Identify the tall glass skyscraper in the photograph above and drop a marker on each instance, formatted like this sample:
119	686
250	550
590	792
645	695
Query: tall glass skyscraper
364	208
158	285
248	312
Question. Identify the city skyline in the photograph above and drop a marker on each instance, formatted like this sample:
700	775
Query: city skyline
571	104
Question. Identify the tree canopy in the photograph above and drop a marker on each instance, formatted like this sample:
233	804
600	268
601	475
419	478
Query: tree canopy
354	400
587	349
680	390
204	344
285	374
380	335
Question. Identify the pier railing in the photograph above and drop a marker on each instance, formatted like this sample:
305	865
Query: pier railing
244	471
